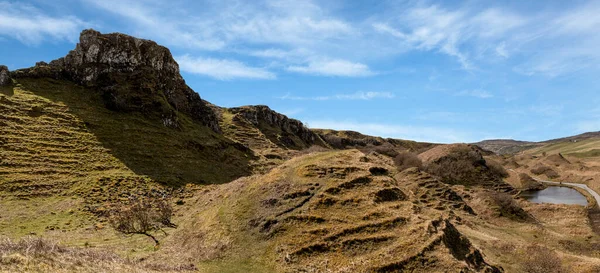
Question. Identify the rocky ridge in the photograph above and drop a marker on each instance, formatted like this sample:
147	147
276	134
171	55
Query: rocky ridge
133	74
261	114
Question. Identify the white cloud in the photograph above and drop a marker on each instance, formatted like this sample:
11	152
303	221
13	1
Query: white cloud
153	21
477	93
340	68
501	50
222	69
30	26
354	96
452	32
418	133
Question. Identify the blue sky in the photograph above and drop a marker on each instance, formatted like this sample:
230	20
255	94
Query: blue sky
446	71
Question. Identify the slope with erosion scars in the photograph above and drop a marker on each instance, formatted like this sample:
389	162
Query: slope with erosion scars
331	211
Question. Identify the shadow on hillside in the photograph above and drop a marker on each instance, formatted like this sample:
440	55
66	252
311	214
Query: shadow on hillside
7	90
175	157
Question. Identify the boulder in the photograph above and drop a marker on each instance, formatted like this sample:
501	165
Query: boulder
5	79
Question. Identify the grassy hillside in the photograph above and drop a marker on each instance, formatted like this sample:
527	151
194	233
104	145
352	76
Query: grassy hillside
580	148
351	139
65	159
71	133
345	211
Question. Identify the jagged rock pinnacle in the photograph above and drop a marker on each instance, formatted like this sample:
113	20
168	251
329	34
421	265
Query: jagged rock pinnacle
4	76
134	75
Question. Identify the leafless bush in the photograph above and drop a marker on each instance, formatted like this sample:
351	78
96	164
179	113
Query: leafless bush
30	246
43	249
465	166
540	259
143	216
405	160
543	169
334	141
384	149
496	169
508	207
314	149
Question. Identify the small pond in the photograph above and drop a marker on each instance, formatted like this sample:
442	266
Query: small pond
556	195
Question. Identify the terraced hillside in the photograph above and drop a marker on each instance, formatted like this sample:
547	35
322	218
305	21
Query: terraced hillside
346	211
342	211
97	128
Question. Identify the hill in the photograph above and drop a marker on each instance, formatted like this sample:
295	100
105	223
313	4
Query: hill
562	145
248	189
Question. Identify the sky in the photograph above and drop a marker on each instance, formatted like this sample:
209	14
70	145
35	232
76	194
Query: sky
436	71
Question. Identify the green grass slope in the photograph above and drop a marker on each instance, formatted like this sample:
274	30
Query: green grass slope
55	128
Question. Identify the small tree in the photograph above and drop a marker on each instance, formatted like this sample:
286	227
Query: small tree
143	216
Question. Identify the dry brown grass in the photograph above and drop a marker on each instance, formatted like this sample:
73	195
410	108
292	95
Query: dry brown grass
32	254
540	259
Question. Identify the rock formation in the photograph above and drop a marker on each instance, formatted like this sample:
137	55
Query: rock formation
4	76
263	114
133	74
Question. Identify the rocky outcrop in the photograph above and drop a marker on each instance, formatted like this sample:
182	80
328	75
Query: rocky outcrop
4	76
261	115
133	74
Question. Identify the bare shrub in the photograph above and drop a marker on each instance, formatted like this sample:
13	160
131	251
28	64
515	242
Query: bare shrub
314	149
334	141
143	216
30	246
405	160
540	259
465	166
508	207
384	149
460	166
37	251
496	169
545	170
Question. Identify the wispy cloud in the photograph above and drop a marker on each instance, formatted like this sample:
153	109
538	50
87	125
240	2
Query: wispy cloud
418	133
154	20
340	68
477	93
353	96
449	31
222	69
31	26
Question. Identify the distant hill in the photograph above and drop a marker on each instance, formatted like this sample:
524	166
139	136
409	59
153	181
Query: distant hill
510	146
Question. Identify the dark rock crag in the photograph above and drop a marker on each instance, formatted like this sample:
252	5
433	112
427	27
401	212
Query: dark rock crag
260	115
133	74
5	79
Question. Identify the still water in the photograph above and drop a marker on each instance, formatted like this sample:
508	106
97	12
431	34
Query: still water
556	195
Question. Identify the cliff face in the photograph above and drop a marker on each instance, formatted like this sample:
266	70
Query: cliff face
279	128
133	74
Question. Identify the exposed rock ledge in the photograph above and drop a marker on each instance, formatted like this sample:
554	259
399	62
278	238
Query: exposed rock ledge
134	75
262	113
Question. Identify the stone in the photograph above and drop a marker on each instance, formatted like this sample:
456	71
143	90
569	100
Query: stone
5	78
262	113
133	74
